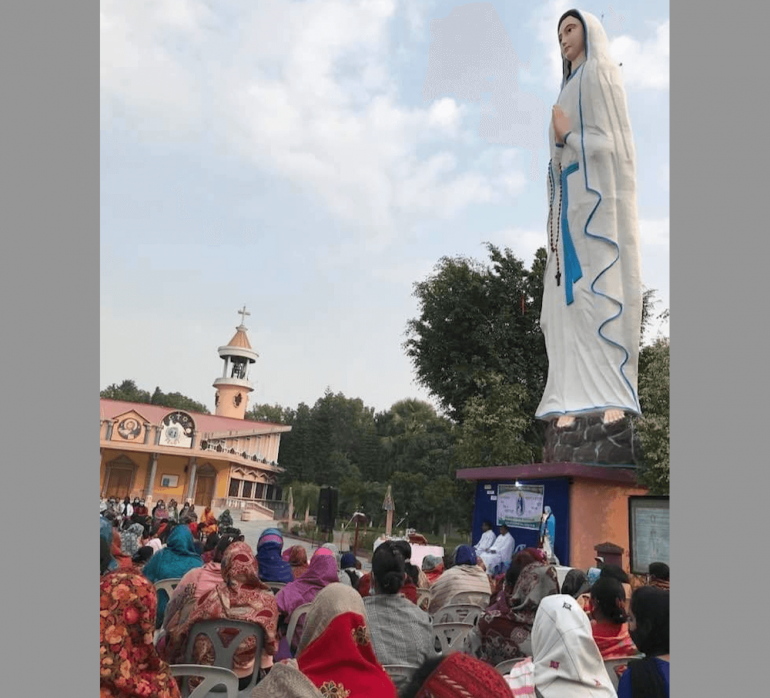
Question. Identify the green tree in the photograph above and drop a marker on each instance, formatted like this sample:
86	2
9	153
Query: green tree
654	424
177	401
126	391
480	319
495	423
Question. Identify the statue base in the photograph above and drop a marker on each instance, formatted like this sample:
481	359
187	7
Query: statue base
588	440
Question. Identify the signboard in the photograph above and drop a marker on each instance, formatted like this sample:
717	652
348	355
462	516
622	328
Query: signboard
520	506
648	531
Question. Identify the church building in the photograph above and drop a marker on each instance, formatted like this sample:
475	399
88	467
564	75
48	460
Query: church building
223	460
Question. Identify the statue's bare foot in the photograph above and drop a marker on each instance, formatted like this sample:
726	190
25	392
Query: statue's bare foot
565	421
611	416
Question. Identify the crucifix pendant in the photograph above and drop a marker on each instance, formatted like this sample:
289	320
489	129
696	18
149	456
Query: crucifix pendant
558	278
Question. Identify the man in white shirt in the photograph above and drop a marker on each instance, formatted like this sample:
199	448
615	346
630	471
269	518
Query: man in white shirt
487	539
501	551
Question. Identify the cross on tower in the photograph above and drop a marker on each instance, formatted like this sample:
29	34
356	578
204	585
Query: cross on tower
243	314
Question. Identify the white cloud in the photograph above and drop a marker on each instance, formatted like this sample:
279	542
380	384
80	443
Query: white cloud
655	231
523	241
302	90
645	63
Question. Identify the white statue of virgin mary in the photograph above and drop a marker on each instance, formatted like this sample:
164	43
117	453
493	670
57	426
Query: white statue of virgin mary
592	302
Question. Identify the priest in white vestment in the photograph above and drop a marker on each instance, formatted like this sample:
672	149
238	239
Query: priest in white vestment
501	551
487	539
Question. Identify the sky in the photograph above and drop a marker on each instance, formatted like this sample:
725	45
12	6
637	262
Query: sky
313	159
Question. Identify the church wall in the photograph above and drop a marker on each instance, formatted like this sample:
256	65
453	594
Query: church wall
140	476
598	514
171	465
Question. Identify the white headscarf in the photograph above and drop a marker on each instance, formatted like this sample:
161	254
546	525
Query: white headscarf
567	661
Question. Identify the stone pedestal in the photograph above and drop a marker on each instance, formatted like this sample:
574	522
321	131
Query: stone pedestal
588	440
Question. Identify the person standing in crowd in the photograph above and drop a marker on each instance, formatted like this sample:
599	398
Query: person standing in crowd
173	513
401	632
610	626
649	629
126	508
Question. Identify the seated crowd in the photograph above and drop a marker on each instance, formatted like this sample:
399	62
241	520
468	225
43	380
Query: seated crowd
357	629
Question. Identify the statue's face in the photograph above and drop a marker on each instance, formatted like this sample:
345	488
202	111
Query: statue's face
572	39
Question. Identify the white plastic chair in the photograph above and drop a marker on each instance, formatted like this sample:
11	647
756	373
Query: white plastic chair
223	656
167	585
400	674
212	676
458	613
451	636
423	599
294	619
504	668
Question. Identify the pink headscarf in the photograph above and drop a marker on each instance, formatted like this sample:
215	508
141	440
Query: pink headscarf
322	551
321	572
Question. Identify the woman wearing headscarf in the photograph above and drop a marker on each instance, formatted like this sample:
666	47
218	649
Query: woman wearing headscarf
455	675
518	562
159	512
195	583
129	663
565	662
465	575
209	548
505	627
184	513
592	299
225	520
131	539
173	562
649	628
173	512
348	565
208	523
105	557
296	556
335	551
239	595
123	561
610	622
271	567
321	572
433	566
401	632
335	657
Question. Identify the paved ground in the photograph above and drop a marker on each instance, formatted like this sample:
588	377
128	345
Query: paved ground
253	529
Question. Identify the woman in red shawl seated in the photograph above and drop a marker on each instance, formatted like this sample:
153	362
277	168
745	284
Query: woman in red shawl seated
129	664
240	596
504	630
335	657
610	622
208	523
456	675
432	566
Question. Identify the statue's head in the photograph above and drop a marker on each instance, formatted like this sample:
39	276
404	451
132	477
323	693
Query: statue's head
572	36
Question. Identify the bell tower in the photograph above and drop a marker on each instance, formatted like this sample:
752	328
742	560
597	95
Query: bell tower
234	386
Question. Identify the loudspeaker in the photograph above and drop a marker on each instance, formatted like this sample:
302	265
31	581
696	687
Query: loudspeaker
327	508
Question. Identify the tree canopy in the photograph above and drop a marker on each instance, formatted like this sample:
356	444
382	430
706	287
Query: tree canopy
130	392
